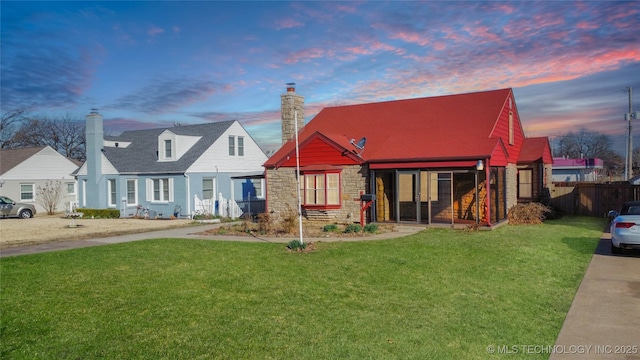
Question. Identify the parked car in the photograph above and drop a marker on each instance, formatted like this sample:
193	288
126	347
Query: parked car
625	227
10	208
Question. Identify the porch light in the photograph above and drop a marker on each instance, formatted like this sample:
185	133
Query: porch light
479	165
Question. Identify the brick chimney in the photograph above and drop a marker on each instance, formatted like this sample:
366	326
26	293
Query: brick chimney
94	143
292	106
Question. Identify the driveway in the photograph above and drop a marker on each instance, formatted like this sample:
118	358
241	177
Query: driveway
604	319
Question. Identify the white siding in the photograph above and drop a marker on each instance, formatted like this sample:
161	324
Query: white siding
218	155
46	164
107	168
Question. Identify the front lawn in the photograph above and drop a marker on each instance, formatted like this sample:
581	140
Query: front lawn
439	294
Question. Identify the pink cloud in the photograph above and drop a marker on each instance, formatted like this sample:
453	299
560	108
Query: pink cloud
585	25
305	54
287	24
154	30
410	37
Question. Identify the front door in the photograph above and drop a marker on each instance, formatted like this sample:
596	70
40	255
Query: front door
441	197
408	196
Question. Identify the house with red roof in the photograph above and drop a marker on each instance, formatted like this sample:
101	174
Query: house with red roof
454	159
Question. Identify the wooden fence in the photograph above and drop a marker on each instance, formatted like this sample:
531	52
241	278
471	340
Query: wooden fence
591	199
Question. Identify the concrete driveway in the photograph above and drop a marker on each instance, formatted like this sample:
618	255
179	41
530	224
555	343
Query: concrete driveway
604	319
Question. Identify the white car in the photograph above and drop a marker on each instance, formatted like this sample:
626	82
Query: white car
625	227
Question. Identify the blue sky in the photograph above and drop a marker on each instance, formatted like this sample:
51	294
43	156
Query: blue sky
150	64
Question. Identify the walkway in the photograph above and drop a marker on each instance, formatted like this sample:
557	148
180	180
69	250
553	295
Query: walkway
604	319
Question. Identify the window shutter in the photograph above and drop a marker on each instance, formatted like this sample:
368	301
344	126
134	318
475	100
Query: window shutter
149	190
170	189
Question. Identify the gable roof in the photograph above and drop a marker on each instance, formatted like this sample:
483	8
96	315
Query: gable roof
535	149
424	129
10	158
142	154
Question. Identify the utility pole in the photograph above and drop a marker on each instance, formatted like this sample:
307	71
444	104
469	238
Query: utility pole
629	165
628	171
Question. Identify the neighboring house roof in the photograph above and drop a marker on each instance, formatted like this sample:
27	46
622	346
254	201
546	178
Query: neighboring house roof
441	128
563	163
141	155
10	158
535	149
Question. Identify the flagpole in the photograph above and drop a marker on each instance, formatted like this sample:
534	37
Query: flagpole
295	122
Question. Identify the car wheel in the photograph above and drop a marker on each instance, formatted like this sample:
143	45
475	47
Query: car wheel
26	214
615	250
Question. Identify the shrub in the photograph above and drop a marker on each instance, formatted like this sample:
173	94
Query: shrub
296	245
524	214
371	228
264	223
100	213
289	219
353	228
330	228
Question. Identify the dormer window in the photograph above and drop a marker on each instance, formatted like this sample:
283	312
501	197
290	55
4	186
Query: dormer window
167	149
171	146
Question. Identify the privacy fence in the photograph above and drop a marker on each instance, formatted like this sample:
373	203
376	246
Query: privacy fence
592	199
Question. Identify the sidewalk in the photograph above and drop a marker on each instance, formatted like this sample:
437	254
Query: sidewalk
604	319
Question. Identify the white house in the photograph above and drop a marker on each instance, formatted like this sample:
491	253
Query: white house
180	171
23	171
572	170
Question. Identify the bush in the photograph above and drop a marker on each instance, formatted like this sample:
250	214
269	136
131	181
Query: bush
100	213
353	228
264	223
371	228
296	245
289	221
330	228
530	213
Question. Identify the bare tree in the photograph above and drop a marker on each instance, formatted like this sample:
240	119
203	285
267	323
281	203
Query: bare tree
589	144
9	124
49	195
63	134
70	138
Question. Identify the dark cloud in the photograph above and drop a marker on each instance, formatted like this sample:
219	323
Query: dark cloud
41	72
167	94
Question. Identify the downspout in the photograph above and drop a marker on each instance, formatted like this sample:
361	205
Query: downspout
188	179
488	186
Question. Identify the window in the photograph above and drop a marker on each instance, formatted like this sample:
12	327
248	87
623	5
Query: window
511	137
257	185
525	183
207	189
111	189
167	149
232	145
160	190
132	191
321	189
84	192
27	192
240	146
71	188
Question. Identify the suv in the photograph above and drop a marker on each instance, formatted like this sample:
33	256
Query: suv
9	208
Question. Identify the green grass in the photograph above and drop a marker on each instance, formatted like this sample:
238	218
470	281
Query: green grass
439	294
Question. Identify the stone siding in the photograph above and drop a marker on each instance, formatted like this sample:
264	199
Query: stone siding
512	185
282	195
291	103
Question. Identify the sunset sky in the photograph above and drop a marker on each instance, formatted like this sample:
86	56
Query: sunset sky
154	63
